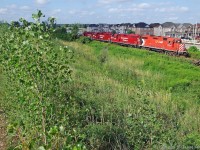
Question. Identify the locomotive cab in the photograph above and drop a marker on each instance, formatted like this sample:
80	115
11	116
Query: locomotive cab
170	41
178	41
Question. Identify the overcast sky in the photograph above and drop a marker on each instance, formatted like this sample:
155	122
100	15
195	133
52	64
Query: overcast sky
104	11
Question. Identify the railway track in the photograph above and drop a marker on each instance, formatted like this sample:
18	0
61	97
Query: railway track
194	61
188	45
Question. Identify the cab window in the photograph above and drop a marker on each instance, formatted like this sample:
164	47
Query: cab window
170	42
178	41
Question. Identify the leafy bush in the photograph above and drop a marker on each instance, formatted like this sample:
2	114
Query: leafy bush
130	32
84	40
37	74
194	52
193	49
61	33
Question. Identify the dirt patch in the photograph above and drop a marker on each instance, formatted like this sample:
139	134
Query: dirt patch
3	143
197	62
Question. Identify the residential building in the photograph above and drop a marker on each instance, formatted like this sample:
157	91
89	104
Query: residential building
142	28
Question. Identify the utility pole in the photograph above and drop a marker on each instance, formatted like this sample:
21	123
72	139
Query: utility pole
195	33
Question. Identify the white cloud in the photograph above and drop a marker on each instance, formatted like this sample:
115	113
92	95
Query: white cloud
81	12
12	6
112	1
144	5
25	8
173	18
172	9
41	2
56	11
121	10
133	8
184	9
3	10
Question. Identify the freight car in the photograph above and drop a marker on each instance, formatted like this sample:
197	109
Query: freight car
169	45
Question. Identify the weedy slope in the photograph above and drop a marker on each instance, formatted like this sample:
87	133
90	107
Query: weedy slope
143	98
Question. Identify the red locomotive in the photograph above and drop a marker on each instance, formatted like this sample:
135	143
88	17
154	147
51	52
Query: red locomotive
126	39
155	43
95	36
105	36
160	43
88	34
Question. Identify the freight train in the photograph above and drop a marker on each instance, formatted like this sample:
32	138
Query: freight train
169	45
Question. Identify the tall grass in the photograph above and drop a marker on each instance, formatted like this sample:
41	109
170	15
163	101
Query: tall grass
139	99
194	52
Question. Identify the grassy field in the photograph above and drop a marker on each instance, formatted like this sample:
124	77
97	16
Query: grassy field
105	97
114	98
139	99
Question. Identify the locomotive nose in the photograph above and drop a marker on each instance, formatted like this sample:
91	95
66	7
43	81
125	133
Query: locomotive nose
182	48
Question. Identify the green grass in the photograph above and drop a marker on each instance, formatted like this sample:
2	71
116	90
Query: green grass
194	52
156	71
195	55
121	82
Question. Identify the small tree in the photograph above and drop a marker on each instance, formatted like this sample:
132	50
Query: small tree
114	32
16	23
38	73
74	32
130	31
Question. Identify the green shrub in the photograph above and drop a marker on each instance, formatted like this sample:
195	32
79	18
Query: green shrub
37	72
193	49
194	52
84	40
103	57
61	33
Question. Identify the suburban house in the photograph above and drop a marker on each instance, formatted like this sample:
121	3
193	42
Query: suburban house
93	28
181	30
142	28
194	31
164	29
115	27
174	29
170	29
124	27
104	27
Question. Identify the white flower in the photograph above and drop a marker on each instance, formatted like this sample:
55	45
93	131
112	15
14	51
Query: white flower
62	129
40	37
